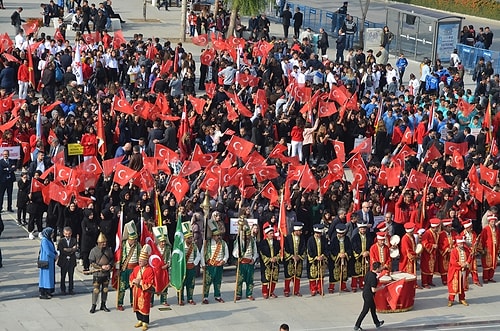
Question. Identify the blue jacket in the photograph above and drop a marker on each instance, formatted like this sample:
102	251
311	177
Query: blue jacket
48	252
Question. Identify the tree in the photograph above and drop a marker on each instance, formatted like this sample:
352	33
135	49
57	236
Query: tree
183	20
243	7
364	4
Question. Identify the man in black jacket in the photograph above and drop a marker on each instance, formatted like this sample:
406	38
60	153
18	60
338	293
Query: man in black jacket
7	178
67	247
287	16
298	18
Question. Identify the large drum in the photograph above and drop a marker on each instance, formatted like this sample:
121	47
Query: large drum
404	291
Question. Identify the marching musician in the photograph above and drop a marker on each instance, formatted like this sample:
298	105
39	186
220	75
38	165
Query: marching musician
193	258
472	241
428	257
408	257
361	243
446	241
245	250
131	250
165	248
269	249
457	272
340	251
141	281
316	259
380	252
214	254
490	244
295	250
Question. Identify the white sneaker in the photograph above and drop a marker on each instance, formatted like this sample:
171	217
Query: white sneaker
39	235
31	236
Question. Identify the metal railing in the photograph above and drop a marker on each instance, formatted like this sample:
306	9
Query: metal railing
470	57
316	18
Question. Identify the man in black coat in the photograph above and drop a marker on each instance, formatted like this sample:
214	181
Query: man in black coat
298	19
67	247
7	178
340	260
295	250
287	17
361	243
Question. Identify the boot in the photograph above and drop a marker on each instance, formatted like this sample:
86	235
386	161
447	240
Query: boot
92	310
144	326
103	307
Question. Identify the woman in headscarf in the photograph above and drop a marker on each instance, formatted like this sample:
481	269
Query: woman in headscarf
90	231
47	276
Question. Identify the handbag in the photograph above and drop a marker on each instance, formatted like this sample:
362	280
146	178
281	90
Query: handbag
41	264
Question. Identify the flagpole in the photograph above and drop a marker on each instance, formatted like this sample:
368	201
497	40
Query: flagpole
205	206
118	273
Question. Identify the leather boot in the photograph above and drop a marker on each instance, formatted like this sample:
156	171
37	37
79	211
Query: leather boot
103	307
92	310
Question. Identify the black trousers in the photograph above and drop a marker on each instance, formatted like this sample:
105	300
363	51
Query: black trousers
142	318
6	186
368	305
67	270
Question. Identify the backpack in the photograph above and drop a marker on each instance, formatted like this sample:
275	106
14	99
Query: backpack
59	73
369	80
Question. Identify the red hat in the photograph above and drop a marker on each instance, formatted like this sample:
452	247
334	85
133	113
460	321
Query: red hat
381	235
467	223
447	221
492	218
409	227
460	240
382	226
435	222
268	227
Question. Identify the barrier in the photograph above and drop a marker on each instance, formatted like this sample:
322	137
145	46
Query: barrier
316	18
470	56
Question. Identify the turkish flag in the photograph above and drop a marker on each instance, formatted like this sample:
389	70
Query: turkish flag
270	192
200	40
295	172
465	107
308	181
109	165
278	150
89	38
6	105
26	152
311	103
236	42
197	103
231	112
338	95
144	180
207	56
493	197
61	172
58	158
123	174
301	94
75	181
151	164
178	186
6	43
394	292
382	175
336	169
356	163
165	153
118	39
364	147
203	159
81	201
166	67
229	160
210	89
431	154
254	161
220	45
121	104
91	165
473	177
449	147
210	183
457	160
338	146
47	108
494	148
60	194
225	175
360	178
242	109
189	168
325	182
265	173
438	181
416	180
30	27
399	159
9	124
151	52
239	146
58	35
262	48
240	178
393	176
488	175
326	109
36	185
11	58
407	137
247	80
162	103
261	99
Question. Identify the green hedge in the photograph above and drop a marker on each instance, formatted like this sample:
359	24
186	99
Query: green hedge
480	8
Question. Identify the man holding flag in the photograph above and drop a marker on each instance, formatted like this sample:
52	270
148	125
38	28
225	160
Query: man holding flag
165	249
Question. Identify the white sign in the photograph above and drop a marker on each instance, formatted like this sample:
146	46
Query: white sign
14	152
233	224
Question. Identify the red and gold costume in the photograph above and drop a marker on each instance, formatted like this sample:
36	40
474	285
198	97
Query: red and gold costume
471	241
446	242
457	273
428	258
408	257
490	244
142	292
380	252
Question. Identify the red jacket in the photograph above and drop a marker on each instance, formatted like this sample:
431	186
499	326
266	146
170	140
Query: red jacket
23	73
297	134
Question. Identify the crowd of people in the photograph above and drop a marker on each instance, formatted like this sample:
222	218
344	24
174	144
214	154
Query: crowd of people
267	139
